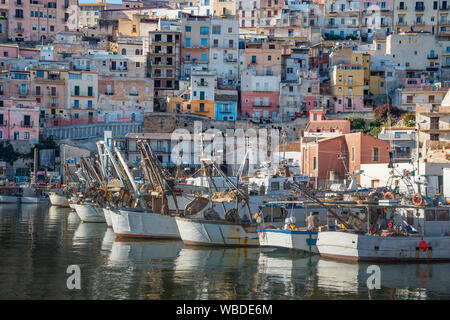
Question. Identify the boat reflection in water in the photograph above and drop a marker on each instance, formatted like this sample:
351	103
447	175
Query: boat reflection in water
398	281
73	218
88	231
108	239
286	273
215	273
143	252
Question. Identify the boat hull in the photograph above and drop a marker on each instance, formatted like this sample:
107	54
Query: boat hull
290	239
201	232
58	200
35	200
357	247
89	213
107	214
9	199
143	224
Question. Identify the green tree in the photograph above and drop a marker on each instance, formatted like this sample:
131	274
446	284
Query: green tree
409	119
7	153
357	123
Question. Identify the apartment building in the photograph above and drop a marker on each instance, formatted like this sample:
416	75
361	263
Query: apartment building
82	94
164	65
260	78
89	13
48	86
224	50
37	20
195	35
19	119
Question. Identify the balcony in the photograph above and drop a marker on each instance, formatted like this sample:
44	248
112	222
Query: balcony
201	110
202	84
255	105
18	17
422	8
19	30
19	3
118	69
402	8
230	60
133	94
24	124
3	123
432	57
442	8
109	93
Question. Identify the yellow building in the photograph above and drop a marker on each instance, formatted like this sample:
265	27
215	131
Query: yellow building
130	27
90	13
377	85
203	107
347	85
225	8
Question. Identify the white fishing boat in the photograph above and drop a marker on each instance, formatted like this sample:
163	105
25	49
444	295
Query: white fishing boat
200	231
89	212
9	199
427	238
107	213
303	240
58	200
142	223
34	200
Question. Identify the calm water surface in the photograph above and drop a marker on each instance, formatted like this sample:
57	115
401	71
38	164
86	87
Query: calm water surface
38	243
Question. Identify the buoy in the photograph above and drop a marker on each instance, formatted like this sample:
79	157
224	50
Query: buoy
423	245
417	199
390	224
389	195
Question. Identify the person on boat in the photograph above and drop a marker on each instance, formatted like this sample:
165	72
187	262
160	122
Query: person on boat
383	223
313	222
82	180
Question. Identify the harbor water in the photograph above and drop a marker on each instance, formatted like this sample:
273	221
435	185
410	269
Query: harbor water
38	243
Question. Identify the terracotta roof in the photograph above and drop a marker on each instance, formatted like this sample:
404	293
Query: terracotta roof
327	125
289	146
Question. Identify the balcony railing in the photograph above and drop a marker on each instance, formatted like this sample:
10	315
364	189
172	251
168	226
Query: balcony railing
27	124
21	30
422	8
402	8
133	94
432	56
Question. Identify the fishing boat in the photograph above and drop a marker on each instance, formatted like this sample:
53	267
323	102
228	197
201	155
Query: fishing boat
208	228
142	223
58	200
89	212
107	214
416	234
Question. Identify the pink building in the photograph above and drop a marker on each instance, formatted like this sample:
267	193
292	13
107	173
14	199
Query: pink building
351	103
259	104
311	102
12	51
415	82
40	19
19	120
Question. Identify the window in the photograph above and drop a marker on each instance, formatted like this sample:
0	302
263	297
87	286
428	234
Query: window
89	103
204	41
187	28
353	154
188	42
216	30
205	30
275	186
204	57
90	91
375	154
430	215
202	107
442	215
314	163
26	135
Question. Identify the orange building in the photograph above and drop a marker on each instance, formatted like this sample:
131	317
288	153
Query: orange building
326	160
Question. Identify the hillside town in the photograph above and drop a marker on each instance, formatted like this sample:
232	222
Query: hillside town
354	85
224	150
